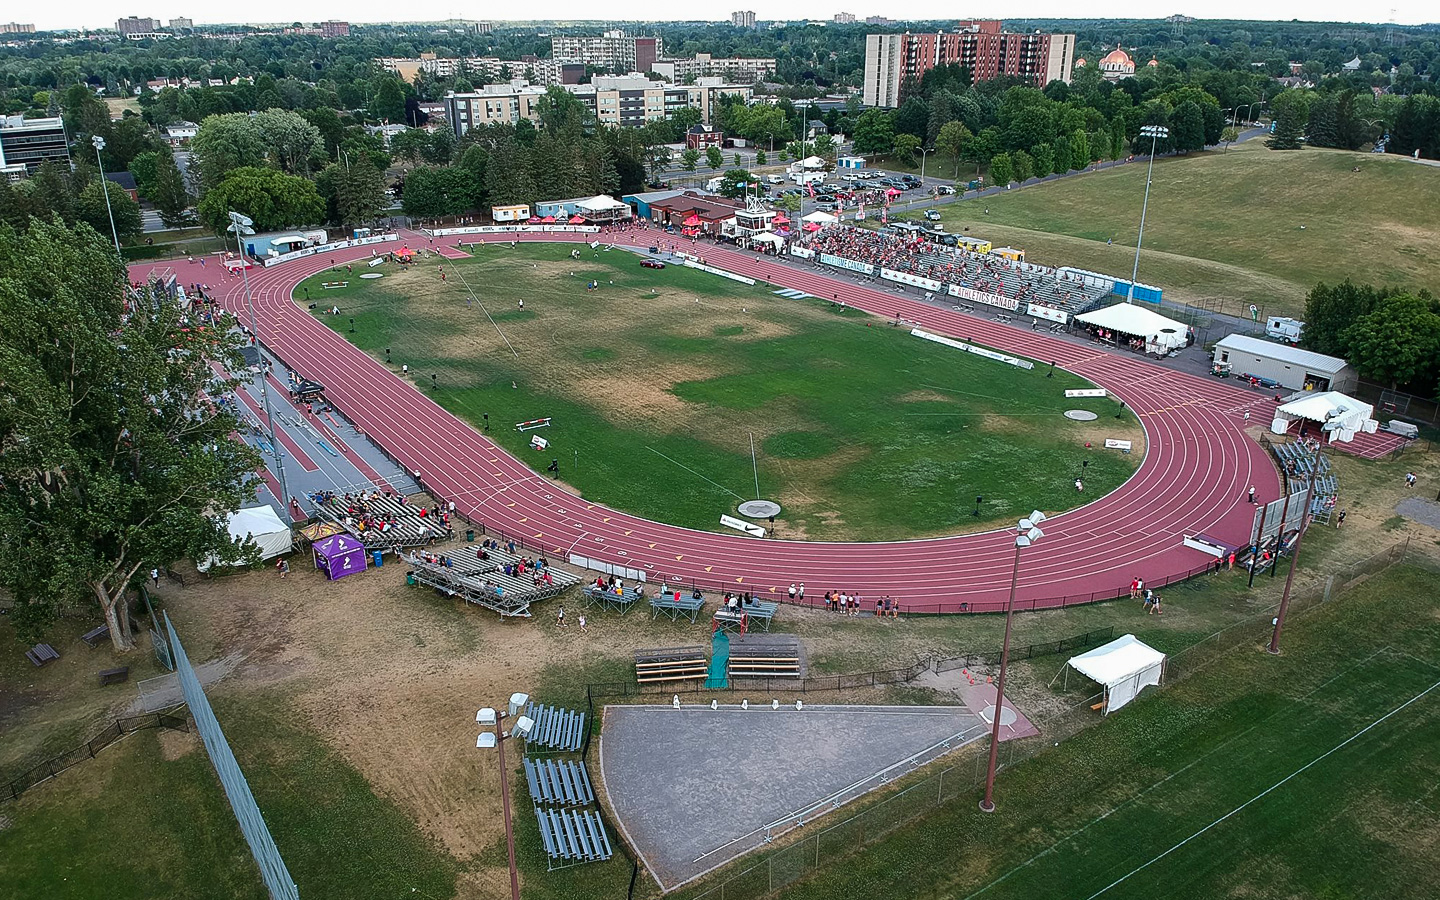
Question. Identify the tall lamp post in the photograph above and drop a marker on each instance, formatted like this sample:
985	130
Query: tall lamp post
1154	133
924	154
1290	576
99	143
497	739
242	225
1027	532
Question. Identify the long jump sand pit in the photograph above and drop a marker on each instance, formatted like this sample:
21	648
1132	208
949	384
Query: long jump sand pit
694	788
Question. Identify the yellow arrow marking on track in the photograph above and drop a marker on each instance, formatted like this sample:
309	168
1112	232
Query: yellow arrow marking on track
652	546
524	519
708	568
630	532
678	558
606	519
739	581
510	504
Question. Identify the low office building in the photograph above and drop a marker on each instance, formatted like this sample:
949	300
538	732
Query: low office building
708	210
29	142
628	101
1282	364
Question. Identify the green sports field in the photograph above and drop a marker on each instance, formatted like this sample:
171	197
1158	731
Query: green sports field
1249	225
656	382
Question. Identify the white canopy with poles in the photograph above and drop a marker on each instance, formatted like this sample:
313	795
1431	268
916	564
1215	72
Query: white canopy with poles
1161	334
260	524
1340	417
819	217
1124	666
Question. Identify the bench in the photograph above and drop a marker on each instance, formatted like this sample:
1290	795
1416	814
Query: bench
609	600
765	656
764	666
757	616
114	676
563	782
41	654
685	607
96	635
555	728
671	664
572	836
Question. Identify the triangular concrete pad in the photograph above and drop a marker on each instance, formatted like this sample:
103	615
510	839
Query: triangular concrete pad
694	788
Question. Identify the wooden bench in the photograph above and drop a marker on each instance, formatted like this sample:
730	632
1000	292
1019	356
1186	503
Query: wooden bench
41	654
670	664
114	676
96	635
765	656
764	666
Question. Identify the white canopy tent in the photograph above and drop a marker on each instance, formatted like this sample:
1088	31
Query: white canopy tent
820	218
600	203
812	162
767	237
260	524
1161	335
1124	666
1340	416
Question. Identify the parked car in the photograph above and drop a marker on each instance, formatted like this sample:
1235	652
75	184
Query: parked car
932	214
651	264
945	190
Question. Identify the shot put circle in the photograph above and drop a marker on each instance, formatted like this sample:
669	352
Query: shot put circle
1081	415
759	509
1007	715
373	275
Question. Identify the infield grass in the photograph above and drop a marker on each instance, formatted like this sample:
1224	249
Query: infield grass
656	382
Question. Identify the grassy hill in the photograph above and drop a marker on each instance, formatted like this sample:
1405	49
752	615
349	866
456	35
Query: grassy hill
1226	227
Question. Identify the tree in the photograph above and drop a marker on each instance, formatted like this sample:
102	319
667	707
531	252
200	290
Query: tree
411	144
116	459
1023	165
736	182
690	158
714	158
1001	170
1079	150
433	191
1229	136
142	169
354	191
269	197
1043	159
825	148
90	209
905	146
289	140
1291	110
226	142
1398	341
760	158
1187	127
951	140
388	104
171	196
1330	310
874	132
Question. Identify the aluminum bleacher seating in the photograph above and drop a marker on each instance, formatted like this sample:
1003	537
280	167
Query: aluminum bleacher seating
572	836
555	728
560	782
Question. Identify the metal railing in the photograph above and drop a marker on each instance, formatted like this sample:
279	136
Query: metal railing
14	787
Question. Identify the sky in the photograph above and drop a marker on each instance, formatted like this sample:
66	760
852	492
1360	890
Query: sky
97	14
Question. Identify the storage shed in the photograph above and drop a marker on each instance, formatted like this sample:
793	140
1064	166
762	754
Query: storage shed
1288	366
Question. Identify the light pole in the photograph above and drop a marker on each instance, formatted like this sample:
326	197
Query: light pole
99	143
242	225
1290	576
497	739
924	154
1027	532
1154	133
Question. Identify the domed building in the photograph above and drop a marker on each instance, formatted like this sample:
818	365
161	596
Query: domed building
1116	65
1153	63
1080	63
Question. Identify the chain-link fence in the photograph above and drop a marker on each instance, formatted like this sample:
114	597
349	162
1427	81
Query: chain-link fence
909	801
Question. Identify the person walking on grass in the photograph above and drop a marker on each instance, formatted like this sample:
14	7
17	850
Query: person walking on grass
583	629
1154	605
1409	479
1149	600
560	618
1340	519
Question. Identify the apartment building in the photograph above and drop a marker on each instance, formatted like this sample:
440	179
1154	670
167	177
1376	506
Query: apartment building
16	28
503	104
894	62
136	25
489	69
703	65
334	29
743	19
614	50
627	101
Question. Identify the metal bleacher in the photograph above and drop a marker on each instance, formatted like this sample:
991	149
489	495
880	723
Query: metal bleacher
484	583
562	782
555	728
610	601
409	528
1303	463
572	836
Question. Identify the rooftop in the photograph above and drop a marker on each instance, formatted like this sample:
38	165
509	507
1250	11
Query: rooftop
1318	362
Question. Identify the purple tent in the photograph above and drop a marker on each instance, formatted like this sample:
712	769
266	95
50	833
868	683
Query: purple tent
340	555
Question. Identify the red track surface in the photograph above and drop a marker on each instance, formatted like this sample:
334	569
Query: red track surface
1194	477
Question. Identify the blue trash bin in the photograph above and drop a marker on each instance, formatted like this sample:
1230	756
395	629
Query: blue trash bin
379	557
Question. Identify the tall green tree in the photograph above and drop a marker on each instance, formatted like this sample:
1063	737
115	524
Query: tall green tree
905	146
1398	342
1002	171
142	169
226	142
874	132
1330	310
354	191
269	197
388	104
171	196
951	140
714	158
117	459
90	209
690	159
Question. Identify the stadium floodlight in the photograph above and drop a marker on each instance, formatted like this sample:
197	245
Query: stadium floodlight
1154	133
99	143
497	738
1027	532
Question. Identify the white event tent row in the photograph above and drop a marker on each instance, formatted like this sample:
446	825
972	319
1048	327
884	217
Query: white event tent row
1339	416
1123	667
260	524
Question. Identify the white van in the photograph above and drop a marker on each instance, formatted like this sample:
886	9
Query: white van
804	178
713	184
775	179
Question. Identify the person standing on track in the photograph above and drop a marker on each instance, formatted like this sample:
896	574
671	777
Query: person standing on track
1252	493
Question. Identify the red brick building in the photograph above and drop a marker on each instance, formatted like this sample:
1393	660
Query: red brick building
895	61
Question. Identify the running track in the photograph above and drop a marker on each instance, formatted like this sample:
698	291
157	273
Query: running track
1197	467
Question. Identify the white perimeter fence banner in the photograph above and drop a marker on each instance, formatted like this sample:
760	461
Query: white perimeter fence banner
513	229
599	565
802	252
691	263
986	352
841	262
985	297
1048	313
928	284
326	248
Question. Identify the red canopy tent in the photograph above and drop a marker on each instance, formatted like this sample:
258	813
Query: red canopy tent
781	219
893	192
548	220
691	222
577	220
533	220
812	226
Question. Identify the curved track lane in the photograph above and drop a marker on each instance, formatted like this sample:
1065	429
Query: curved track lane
1197	467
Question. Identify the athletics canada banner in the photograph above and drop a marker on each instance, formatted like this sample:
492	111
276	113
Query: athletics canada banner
841	262
989	299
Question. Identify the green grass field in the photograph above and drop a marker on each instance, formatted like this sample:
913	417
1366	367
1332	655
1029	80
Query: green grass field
1311	774
657	380
1225	227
